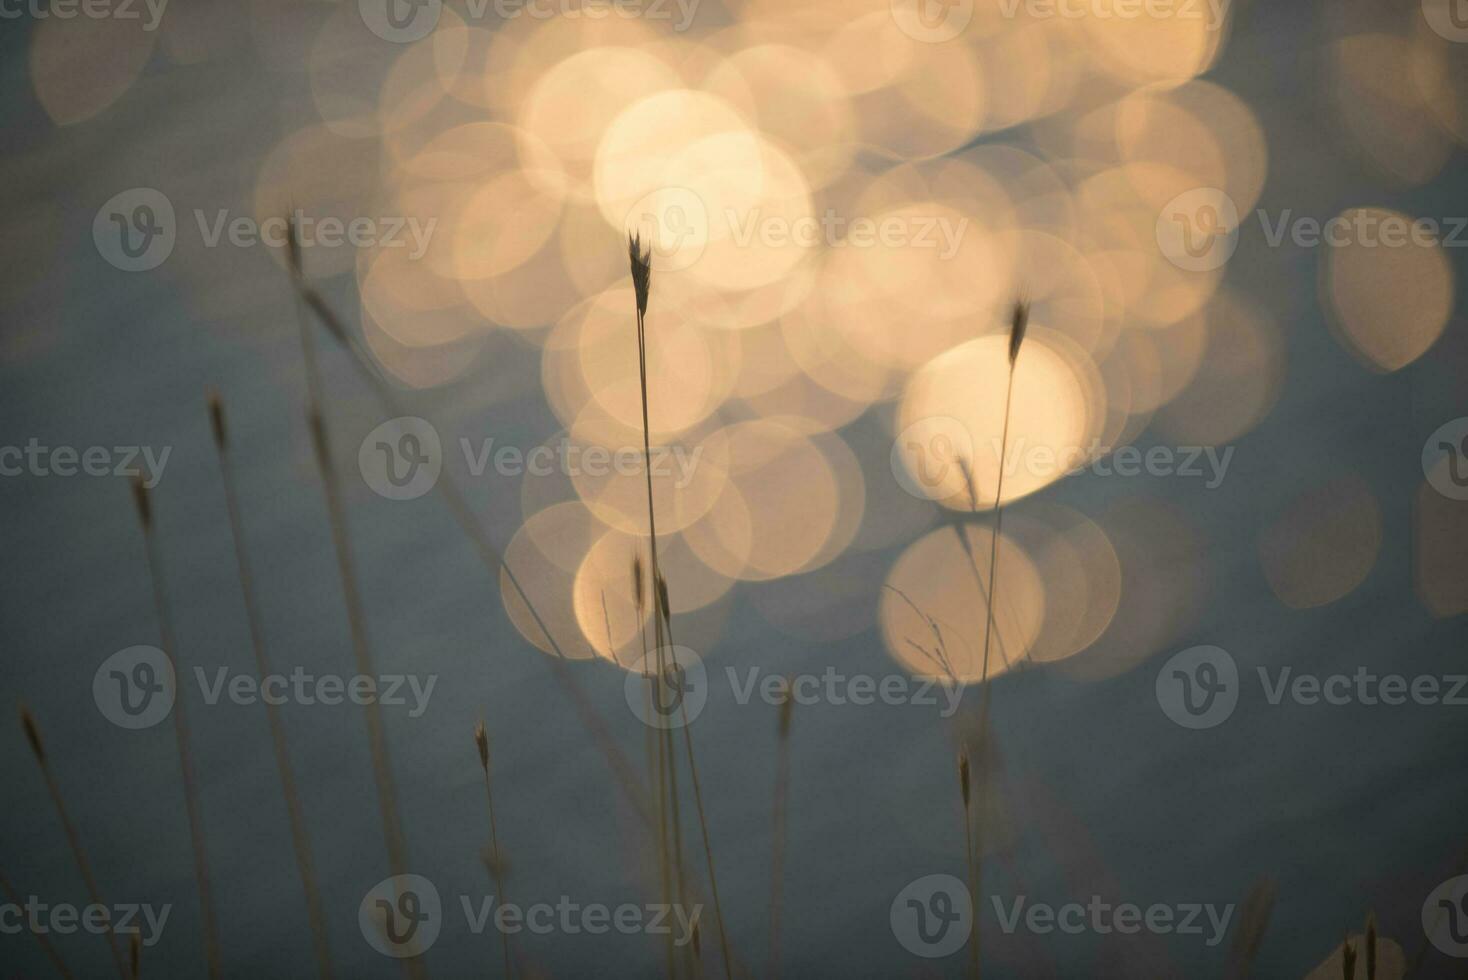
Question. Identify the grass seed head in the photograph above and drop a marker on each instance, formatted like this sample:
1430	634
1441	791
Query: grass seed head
637	592
641	259
216	420
1371	946
32	734
317	425
140	499
963	775
481	739
1019	322
787	705
293	247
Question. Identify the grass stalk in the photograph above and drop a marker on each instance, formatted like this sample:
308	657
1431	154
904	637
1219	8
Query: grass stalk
300	840
641	266
1019	323
361	650
481	741
968	845
452	497
777	833
387	798
181	732
51	954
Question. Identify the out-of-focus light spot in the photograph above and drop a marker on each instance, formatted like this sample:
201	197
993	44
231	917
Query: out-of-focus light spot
1081	572
1323	545
1051	424
545	556
935	605
778	509
81	65
573	102
1382	108
1237	381
1439	527
1155	50
1164	581
1389	288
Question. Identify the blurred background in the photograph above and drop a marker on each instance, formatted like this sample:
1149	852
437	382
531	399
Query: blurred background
1233	422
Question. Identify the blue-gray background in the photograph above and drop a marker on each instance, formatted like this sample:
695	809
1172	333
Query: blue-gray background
1349	809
